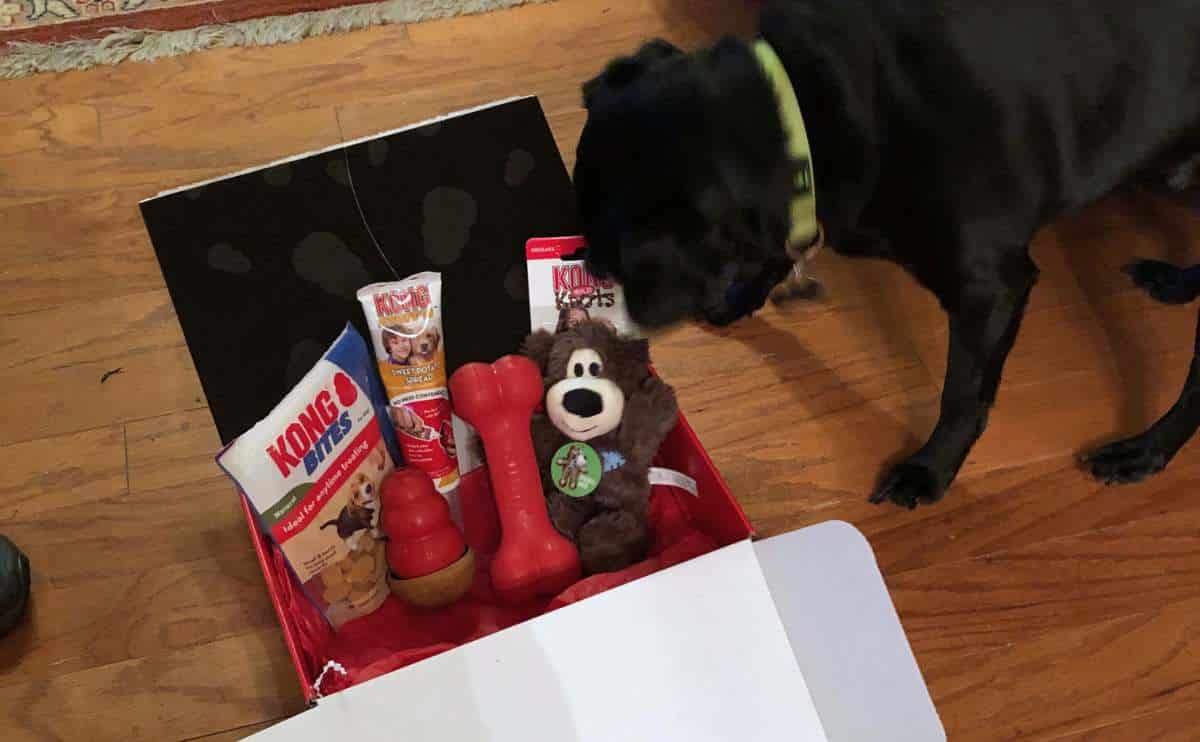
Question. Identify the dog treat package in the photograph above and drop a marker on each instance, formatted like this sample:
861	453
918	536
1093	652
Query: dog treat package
405	318
311	471
562	292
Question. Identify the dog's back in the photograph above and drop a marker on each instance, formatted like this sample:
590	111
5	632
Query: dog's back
1105	87
1046	105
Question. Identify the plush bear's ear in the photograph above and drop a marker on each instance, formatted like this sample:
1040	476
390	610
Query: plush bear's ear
537	348
634	354
624	70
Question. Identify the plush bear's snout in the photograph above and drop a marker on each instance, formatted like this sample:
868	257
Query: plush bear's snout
583	403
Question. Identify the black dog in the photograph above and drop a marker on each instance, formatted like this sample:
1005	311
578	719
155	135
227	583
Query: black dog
944	134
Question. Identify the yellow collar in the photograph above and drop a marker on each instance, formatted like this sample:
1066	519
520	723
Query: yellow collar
805	236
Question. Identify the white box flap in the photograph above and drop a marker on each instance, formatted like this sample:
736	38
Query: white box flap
847	637
696	652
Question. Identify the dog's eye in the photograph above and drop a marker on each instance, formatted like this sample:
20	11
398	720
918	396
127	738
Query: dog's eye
578	370
594	369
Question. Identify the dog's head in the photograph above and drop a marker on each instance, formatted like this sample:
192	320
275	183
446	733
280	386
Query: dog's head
427	342
362	491
683	184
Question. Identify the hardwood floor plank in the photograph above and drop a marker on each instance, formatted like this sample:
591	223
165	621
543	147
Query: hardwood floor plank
1005	597
229	683
1173	725
805	365
1072	680
75	250
234	735
44	127
997	511
46	474
172	450
153	592
202	150
70	398
178	524
802	466
59	361
145	611
105	331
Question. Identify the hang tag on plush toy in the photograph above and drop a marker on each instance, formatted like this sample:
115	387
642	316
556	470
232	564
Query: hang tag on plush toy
562	292
576	469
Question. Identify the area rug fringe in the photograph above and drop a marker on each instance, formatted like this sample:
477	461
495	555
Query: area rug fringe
19	59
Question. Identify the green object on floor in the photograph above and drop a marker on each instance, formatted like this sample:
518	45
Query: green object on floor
14	585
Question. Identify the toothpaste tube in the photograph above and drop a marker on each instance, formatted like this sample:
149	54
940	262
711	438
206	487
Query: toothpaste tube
405	319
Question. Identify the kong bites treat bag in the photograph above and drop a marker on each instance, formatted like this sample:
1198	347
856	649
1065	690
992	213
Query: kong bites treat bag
311	471
405	318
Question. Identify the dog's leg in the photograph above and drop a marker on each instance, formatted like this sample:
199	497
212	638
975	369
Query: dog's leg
1134	459
984	319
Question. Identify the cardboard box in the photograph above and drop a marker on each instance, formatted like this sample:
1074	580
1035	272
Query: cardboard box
791	638
689	524
720	639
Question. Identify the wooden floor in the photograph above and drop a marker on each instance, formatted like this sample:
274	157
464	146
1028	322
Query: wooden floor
1040	605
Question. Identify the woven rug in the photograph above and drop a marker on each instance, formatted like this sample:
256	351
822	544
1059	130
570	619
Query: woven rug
59	35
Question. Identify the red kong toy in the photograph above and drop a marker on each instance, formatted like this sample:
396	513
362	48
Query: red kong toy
430	564
533	559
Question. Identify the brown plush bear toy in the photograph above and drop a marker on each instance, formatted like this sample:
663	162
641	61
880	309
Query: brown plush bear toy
605	418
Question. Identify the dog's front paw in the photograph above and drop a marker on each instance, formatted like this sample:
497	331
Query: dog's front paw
1164	282
1125	462
909	484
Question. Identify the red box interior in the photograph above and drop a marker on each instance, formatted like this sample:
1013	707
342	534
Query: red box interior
683	527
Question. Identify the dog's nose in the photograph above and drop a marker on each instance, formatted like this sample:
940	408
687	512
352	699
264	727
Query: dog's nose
583	403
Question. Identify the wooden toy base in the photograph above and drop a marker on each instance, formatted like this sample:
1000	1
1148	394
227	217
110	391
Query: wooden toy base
439	588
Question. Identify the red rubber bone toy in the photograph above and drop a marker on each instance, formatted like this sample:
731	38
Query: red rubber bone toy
533	559
430	564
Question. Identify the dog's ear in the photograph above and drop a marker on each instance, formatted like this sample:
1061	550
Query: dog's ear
624	70
537	349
